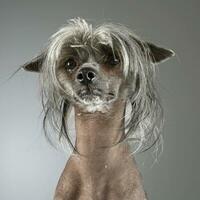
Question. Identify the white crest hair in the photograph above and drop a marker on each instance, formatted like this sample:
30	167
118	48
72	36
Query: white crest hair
145	119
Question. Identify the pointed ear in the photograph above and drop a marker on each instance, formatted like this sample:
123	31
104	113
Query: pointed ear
35	64
159	54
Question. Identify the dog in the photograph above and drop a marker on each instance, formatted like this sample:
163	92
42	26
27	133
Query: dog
107	74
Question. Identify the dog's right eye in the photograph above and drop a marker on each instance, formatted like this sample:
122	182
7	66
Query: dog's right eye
70	64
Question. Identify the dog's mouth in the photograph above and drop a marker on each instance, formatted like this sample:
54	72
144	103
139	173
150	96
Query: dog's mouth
88	93
95	95
94	99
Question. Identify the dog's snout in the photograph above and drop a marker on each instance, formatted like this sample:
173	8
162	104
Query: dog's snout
86	75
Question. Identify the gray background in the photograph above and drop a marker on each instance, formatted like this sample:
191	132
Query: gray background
29	166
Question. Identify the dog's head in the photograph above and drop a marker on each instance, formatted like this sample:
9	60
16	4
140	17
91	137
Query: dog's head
94	67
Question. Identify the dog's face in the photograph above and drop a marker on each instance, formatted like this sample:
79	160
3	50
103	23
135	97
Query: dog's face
92	72
94	68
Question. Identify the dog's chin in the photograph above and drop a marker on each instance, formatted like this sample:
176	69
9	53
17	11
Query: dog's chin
94	101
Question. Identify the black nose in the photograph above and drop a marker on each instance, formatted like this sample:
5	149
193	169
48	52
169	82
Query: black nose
86	75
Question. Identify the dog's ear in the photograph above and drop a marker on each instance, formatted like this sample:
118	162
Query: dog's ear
159	54
35	64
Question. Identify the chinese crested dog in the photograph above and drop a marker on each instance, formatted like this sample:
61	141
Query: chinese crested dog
107	74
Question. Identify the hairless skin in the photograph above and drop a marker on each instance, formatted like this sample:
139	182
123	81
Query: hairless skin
103	173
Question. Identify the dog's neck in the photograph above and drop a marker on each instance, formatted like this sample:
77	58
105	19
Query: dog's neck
97	130
101	173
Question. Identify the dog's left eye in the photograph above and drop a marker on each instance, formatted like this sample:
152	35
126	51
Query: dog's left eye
70	64
112	61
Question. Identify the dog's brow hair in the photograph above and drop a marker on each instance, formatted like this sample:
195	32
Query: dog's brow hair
145	121
77	45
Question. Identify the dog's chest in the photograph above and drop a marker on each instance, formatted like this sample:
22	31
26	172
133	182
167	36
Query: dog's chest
112	187
103	192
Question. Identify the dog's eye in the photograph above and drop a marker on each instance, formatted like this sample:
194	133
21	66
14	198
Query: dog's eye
113	61
70	64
